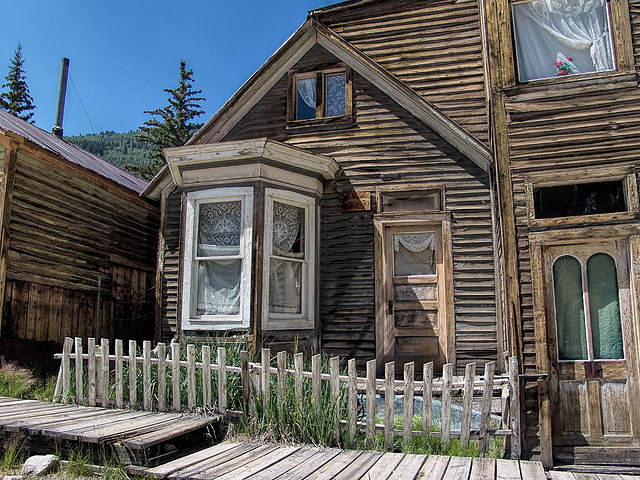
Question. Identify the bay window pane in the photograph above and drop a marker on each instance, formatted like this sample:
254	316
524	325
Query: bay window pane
606	329
336	88
569	303
288	230
219	287
414	254
219	228
305	98
285	286
562	37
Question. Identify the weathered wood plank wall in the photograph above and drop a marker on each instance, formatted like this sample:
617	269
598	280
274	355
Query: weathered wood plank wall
170	268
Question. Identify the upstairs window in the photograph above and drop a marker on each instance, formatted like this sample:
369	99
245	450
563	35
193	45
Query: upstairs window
579	199
556	38
319	95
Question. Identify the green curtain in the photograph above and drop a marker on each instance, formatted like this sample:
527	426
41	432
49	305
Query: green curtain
606	329
570	319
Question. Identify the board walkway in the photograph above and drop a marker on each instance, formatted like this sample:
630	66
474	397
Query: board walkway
239	461
131	433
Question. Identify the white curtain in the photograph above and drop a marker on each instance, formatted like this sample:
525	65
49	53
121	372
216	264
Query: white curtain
547	30
219	229
288	230
219	287
414	242
307	91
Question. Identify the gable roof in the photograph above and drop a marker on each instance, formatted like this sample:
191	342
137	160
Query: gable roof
70	152
312	33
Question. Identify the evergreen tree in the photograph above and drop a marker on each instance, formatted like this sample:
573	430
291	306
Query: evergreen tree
17	100
172	125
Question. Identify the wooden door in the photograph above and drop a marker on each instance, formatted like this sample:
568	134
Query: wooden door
414	294
591	335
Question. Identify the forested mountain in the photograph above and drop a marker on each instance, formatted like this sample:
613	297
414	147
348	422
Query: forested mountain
121	149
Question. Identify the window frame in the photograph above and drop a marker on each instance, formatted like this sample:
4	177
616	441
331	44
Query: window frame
190	260
305	319
435	188
320	75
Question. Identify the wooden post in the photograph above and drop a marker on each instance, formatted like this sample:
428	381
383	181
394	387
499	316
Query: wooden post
66	369
334	388
244	377
91	371
371	404
445	412
506	419
544	409
467	403
282	377
176	404
298	360
514	407
487	397
162	377
316	379
119	373
191	376
254	378
6	201
389	403
427	392
265	380
352	400
79	371
146	375
407	431
104	384
133	374
206	376
222	378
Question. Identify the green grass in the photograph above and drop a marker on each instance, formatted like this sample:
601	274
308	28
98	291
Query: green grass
20	382
13	455
79	461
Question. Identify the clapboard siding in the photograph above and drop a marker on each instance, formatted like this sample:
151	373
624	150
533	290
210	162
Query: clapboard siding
435	48
81	255
171	265
387	143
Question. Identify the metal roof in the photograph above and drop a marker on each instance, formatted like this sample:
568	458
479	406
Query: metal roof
71	152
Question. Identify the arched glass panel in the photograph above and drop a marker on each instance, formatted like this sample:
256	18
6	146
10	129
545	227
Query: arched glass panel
606	329
569	300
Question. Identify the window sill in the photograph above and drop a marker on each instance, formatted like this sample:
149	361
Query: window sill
324	123
599	218
197	324
577	80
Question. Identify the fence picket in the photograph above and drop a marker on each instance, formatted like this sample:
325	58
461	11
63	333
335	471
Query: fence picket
265	381
352	400
191	376
119	373
389	403
334	389
316	371
467	404
175	377
146	375
427	392
371	404
244	378
487	395
222	379
407	431
514	407
104	369
298	360
66	369
162	377
282	376
133	373
445	415
255	392
206	375
79	371
91	371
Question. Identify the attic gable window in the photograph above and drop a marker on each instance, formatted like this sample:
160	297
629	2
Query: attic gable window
318	96
557	38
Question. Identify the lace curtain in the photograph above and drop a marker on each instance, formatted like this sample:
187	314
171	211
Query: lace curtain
219	229
414	242
307	91
288	230
336	95
414	254
548	31
219	287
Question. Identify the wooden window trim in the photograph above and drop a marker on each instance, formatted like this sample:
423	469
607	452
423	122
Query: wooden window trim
410	187
621	39
306	319
320	75
189	280
632	199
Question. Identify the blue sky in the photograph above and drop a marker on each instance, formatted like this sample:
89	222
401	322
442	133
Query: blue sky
123	53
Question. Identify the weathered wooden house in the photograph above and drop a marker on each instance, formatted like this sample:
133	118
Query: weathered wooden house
430	180
78	244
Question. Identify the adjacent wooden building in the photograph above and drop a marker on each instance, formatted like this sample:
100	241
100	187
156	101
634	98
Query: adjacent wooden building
77	246
430	180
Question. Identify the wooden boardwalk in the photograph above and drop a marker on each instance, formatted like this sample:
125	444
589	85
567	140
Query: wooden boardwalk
558	475
134	432
238	461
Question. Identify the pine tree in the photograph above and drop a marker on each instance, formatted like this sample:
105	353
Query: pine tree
17	100
172	125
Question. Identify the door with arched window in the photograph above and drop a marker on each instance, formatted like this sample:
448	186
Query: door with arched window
590	327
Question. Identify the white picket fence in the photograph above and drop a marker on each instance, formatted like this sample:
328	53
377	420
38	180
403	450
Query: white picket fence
99	368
